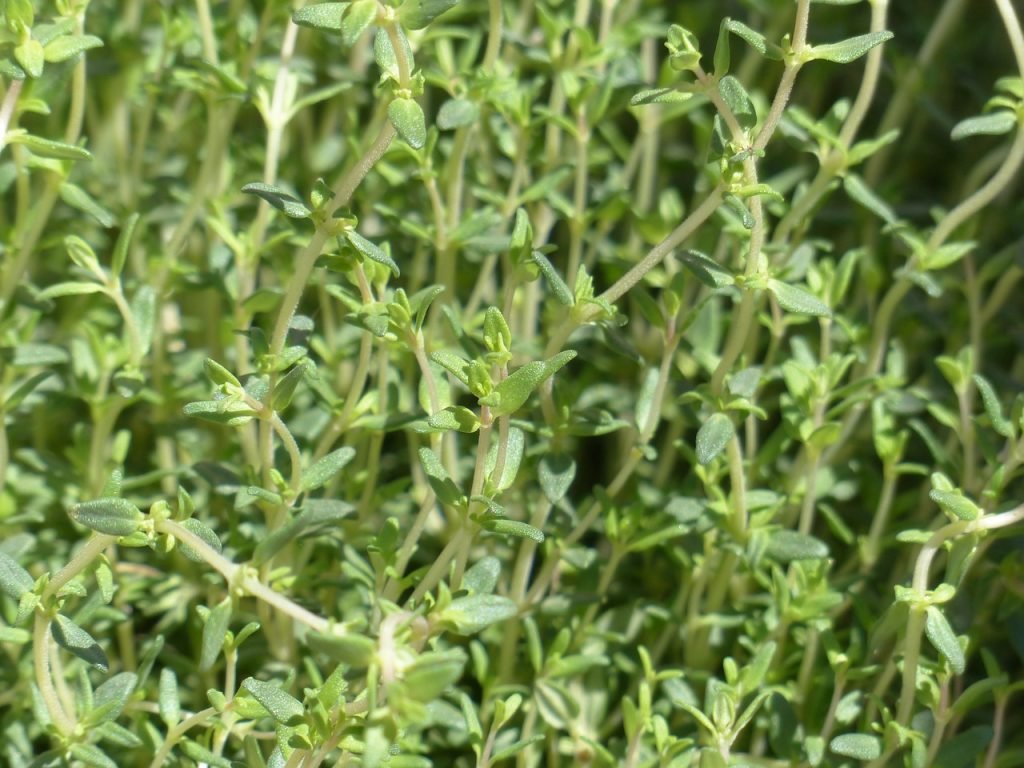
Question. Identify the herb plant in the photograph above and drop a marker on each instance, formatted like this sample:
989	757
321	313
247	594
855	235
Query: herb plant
468	382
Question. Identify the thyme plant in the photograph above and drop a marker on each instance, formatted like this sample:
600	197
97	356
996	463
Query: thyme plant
467	382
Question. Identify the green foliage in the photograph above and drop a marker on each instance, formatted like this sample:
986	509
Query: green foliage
410	383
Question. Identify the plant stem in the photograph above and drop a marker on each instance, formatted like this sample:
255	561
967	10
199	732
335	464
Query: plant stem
246	582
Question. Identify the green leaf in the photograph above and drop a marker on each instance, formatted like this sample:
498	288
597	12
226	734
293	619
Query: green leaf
69	46
859	746
738	100
994	124
61	290
455	417
512	528
215	629
798	300
323	470
143	307
707	270
514	749
555	281
555	472
713	436
283	707
203	756
851	49
357	19
322	16
90	754
514	449
283	201
285	389
444	487
202	531
482	578
860	193
659	96
73	638
455	365
123	244
512	392
428	677
754	39
110	698
955	504
474	613
457	113
354	650
316	513
416	14
943	638
48	148
384	53
371	251
993	408
232	413
787	546
114	516
168	699
78	198
30	56
406	115
15	581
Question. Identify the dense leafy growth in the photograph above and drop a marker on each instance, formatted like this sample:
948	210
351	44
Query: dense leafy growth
467	382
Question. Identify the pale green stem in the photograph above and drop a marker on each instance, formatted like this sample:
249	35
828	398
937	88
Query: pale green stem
493	35
246	582
175	734
293	453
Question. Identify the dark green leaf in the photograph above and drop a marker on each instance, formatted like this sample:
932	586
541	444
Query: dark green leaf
287	203
73	638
